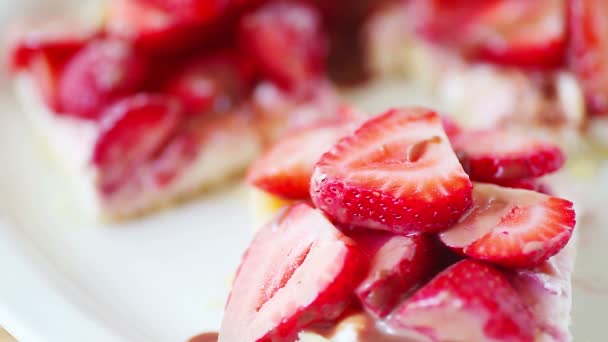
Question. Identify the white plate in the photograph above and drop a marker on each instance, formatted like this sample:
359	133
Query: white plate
163	278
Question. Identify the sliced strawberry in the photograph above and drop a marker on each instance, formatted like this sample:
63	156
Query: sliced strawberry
209	84
397	172
298	270
469	301
102	72
55	42
520	33
526	184
512	227
192	11
285	169
132	131
153	29
450	126
398	265
287	41
588	48
444	21
499	155
46	72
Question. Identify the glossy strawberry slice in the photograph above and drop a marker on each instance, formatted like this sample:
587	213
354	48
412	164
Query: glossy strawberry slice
469	301
287	41
520	33
588	48
153	29
498	155
298	270
57	43
210	84
512	227
132	131
192	11
527	184
398	265
397	172
99	74
285	169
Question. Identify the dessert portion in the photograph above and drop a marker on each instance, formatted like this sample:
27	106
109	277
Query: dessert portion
409	232
165	98
499	62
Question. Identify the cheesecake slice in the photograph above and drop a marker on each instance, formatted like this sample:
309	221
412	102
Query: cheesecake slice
147	107
445	246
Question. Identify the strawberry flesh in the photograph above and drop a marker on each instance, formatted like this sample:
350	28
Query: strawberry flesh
286	168
210	84
588	48
132	131
397	172
512	227
469	301
526	34
192	11
498	155
99	74
298	270
398	264
287	42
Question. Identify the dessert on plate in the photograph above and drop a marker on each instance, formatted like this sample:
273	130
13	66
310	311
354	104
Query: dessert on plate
406	228
500	62
163	98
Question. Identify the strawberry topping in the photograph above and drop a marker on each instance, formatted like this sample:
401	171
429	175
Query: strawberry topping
588	48
287	41
397	172
398	264
469	301
99	74
512	227
498	155
298	270
285	170
132	131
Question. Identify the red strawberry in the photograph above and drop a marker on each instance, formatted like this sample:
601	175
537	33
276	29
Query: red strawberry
526	184
99	74
56	43
398	264
192	11
132	131
588	48
212	83
450	126
285	169
45	72
287	41
469	301
512	227
397	172
498	155
153	29
298	270
520	33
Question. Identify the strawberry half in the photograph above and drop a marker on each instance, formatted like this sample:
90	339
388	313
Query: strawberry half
298	270
512	227
99	74
498	155
520	33
211	83
588	48
287	41
132	131
398	264
397	172
469	301
286	168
